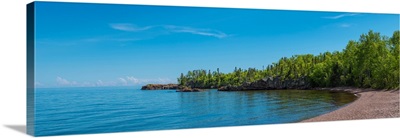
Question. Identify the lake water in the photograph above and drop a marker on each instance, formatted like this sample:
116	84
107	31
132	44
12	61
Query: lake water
61	111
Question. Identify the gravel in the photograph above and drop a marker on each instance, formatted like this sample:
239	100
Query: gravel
371	104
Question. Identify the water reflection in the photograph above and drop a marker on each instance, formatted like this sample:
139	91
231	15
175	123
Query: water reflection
95	110
259	107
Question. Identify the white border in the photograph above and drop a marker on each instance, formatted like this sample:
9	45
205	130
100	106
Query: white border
12	73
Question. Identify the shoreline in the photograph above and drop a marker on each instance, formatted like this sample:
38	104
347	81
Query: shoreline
370	104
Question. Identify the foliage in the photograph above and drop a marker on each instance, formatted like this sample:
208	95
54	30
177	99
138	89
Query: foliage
370	62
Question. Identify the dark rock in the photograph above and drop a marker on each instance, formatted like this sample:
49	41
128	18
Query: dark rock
188	89
160	87
270	83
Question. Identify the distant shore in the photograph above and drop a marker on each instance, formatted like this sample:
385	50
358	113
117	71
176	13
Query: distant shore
371	104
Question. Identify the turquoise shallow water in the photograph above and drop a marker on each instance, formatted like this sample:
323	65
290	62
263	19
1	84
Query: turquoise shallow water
61	111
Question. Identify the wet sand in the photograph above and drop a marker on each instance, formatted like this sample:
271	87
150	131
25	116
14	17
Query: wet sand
370	104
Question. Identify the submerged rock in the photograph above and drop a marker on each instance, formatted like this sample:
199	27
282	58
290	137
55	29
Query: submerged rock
160	87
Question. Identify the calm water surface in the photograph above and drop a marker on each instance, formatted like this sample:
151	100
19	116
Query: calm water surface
62	111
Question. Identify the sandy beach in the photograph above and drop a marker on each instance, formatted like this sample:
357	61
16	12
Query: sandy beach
371	104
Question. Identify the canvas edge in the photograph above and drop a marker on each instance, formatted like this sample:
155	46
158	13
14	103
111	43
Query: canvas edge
30	68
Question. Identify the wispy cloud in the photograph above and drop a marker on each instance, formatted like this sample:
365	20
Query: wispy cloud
38	84
340	16
121	81
64	82
129	27
197	31
108	83
170	28
130	80
134	80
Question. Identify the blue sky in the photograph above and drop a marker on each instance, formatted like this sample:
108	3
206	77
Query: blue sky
82	45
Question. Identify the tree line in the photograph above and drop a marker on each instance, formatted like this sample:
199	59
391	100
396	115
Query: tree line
370	62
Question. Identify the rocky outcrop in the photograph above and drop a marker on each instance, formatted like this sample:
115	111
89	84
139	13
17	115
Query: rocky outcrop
170	87
188	89
160	87
270	83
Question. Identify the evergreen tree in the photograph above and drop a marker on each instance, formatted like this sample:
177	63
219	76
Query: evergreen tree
370	62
